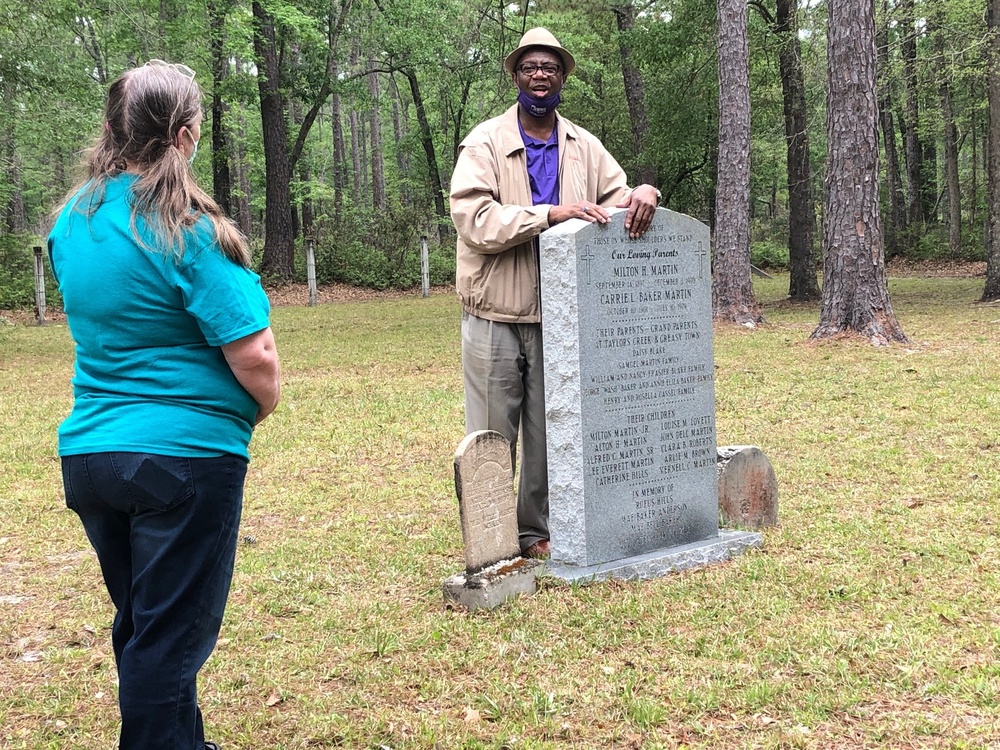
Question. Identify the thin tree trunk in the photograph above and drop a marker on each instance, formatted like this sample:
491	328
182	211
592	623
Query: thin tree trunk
458	131
165	17
15	216
802	284
355	134
221	177
375	125
855	292
363	155
339	155
991	290
240	172
88	39
954	195
929	180
295	118
59	169
427	139
896	225
355	153
279	245
308	211
732	291
634	95
913	148
973	168
402	167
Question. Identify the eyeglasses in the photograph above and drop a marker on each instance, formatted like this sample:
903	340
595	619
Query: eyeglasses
528	69
184	70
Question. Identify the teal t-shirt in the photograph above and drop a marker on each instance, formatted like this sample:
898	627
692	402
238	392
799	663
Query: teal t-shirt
150	376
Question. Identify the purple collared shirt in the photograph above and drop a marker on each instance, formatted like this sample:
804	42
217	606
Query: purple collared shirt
543	167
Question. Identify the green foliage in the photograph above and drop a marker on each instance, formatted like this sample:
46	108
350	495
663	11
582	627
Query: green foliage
58	57
17	273
381	252
769	254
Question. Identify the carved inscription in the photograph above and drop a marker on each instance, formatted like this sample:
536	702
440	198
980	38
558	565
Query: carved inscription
647	387
484	484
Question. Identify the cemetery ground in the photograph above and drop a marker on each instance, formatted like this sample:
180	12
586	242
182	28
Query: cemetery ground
870	618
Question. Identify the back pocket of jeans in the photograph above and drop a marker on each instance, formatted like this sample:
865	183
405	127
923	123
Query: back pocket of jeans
154	482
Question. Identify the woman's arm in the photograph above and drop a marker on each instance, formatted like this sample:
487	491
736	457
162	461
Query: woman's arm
254	361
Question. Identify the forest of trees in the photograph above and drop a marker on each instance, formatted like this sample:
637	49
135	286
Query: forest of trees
339	120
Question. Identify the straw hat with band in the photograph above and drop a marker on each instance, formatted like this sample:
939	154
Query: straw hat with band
539	37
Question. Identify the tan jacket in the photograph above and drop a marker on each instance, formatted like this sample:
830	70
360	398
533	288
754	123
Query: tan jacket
497	266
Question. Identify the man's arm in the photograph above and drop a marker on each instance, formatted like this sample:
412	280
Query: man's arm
485	223
254	361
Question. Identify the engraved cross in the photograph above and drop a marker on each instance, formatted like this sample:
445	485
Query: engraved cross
702	253
588	257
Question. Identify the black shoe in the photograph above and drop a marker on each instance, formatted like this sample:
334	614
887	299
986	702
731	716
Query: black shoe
211	746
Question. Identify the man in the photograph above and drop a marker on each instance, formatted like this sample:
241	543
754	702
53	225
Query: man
516	175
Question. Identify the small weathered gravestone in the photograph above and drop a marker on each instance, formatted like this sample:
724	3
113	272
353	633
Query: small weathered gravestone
748	488
494	568
485	488
630	400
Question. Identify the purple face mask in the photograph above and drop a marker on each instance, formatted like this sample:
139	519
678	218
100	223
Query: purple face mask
538	107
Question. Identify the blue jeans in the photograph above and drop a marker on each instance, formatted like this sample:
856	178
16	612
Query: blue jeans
165	531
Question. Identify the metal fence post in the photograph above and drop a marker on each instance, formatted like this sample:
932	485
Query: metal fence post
39	287
425	269
311	270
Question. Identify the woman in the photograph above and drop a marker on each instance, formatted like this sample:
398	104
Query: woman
175	364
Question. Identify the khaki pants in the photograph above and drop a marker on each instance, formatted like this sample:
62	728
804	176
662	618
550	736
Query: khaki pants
505	392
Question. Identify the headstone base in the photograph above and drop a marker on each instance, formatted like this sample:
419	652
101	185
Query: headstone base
726	546
494	585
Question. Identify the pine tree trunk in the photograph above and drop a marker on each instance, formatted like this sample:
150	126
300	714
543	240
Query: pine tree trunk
991	291
855	292
279	245
732	291
802	284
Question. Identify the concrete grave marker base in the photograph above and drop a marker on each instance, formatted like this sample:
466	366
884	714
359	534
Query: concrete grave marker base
494	585
727	545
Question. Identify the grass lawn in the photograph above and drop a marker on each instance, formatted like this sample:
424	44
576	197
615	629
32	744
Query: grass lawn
870	619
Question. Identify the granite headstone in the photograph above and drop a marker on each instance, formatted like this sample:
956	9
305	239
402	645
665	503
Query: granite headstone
630	399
